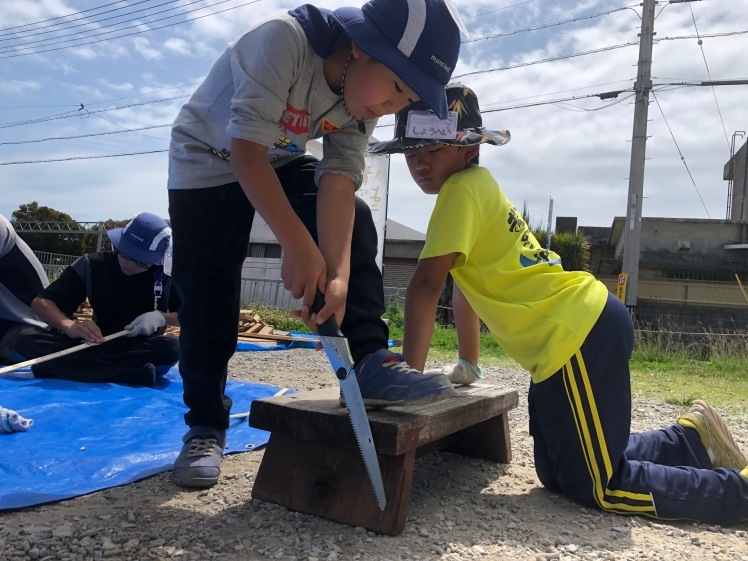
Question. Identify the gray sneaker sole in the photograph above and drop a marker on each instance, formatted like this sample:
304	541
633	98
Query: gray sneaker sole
193	480
431	398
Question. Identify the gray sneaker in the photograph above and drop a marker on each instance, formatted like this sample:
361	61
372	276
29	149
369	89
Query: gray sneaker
199	462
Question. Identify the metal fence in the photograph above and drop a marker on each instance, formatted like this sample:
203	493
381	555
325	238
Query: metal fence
253	290
272	293
54	263
394	295
267	291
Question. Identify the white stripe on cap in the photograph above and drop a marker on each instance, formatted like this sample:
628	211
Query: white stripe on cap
456	16
158	237
414	27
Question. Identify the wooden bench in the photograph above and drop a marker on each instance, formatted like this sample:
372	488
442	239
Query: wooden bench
312	463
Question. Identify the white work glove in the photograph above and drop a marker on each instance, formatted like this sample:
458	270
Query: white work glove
146	324
10	421
461	373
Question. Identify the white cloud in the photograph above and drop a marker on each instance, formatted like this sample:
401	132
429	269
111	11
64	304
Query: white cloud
177	45
18	86
124	87
143	46
84	90
86	53
17	13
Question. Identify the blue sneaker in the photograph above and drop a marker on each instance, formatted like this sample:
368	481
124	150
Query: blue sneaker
386	379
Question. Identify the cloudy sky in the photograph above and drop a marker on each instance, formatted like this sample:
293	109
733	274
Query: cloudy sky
82	80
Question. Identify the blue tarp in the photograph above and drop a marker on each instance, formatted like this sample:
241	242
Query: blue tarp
88	437
278	345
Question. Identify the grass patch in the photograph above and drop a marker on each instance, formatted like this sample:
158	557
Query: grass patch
278	318
714	369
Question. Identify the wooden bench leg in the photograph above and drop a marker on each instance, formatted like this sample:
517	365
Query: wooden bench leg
331	482
488	440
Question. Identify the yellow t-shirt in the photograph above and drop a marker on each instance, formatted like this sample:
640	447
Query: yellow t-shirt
539	313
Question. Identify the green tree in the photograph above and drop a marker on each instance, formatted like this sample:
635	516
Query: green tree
92	239
64	243
574	250
572	247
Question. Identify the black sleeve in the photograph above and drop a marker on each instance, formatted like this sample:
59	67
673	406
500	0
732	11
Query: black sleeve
69	290
20	271
174	301
18	275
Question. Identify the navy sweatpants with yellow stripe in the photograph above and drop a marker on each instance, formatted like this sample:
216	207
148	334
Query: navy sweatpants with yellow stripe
580	420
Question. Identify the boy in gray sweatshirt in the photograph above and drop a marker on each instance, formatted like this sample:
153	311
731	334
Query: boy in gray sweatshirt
239	146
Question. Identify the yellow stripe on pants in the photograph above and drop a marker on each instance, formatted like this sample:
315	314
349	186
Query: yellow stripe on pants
592	438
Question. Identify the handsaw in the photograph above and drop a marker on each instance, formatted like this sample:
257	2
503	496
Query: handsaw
339	354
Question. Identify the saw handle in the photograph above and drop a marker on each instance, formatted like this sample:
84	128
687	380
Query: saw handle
330	327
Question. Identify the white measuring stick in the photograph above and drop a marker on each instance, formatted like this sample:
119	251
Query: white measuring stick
242	415
58	354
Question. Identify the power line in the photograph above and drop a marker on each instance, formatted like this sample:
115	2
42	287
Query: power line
86	22
547	25
680	153
77	105
708	72
125	129
51	138
129	34
690	175
555	101
67	15
64	115
87	113
498	9
52	40
593	51
487	105
550	59
80	158
142	94
709	35
600	95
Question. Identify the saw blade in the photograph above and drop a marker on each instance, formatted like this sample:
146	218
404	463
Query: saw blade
339	354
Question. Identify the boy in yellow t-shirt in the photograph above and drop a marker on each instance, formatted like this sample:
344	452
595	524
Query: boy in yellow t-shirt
564	327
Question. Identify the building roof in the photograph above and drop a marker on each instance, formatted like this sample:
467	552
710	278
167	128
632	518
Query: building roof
394	231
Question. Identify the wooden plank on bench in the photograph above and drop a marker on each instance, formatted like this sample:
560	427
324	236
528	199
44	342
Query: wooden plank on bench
318	416
312	463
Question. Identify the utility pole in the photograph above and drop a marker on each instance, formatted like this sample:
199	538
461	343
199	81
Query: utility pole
642	87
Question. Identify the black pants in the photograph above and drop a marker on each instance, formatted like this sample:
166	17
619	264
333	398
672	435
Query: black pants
210	230
107	362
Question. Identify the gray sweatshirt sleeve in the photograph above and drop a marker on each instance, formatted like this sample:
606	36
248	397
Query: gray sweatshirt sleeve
344	154
264	64
267	87
274	66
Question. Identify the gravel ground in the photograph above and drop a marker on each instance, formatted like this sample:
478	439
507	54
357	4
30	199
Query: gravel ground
460	509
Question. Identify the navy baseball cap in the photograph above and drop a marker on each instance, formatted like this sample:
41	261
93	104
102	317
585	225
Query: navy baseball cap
419	40
144	238
465	125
